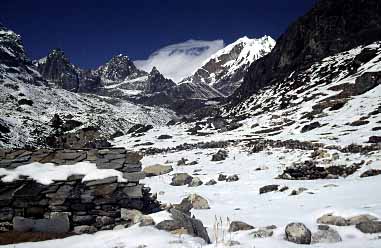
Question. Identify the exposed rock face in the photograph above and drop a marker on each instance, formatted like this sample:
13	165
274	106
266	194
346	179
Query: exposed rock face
118	69
14	64
57	69
225	69
330	27
157	82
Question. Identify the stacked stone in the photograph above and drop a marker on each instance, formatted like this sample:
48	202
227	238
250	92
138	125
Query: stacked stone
87	206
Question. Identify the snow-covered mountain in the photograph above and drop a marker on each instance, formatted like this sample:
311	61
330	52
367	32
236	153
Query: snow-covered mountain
180	60
226	69
14	64
28	102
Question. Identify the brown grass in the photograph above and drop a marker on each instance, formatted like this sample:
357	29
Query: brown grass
7	238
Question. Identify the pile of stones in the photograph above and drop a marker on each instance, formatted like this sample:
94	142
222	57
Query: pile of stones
309	170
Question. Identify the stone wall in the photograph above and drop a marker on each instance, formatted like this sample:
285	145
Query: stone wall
90	205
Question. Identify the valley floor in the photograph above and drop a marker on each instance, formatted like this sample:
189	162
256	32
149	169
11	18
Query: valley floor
241	200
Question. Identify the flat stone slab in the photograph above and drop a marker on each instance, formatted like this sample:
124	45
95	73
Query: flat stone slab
57	224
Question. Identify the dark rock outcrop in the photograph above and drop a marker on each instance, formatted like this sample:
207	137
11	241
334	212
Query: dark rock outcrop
14	64
332	26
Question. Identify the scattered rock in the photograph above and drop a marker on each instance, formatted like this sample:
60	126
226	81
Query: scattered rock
220	155
147	221
211	182
268	188
325	234
157	170
329	219
195	182
164	136
168	225
222	177
181	179
236	226
310	127
193	226
182	162
361	218
262	233
298	191
375	139
371	173
298	233
198	202
232	178
369	227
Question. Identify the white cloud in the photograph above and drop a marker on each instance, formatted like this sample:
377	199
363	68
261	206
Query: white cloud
180	60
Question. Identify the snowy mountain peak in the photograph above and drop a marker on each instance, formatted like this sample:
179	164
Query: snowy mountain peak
225	69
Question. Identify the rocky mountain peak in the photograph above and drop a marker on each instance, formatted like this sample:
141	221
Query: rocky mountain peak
57	69
119	68
332	26
14	64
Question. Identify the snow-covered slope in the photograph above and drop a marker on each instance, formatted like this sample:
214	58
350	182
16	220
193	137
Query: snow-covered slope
28	103
225	69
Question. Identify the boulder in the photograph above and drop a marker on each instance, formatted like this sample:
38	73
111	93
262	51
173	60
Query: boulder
220	155
268	188
222	177
198	202
211	182
369	227
195	182
164	136
236	226
181	179
329	219
325	234
262	233
361	218
298	233
371	173
168	225
193	226
157	170
232	178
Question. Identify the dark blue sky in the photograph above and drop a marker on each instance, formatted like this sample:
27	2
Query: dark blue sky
92	31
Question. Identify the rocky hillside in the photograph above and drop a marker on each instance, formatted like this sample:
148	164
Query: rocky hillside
329	28
29	103
14	64
226	69
59	72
